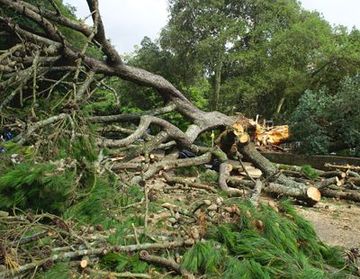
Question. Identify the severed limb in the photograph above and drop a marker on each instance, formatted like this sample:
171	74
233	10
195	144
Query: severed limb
171	163
131	116
21	139
328	181
169	264
181	180
308	194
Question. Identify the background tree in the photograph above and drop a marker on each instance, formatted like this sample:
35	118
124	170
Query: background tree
326	122
252	52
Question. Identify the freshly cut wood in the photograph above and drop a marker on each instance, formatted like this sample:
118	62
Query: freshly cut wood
329	174
234	135
252	171
275	135
84	262
308	194
244	138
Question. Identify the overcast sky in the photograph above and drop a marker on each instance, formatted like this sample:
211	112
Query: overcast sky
128	21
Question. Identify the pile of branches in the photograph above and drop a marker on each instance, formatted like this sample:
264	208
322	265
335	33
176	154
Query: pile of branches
30	242
33	245
342	182
48	80
43	57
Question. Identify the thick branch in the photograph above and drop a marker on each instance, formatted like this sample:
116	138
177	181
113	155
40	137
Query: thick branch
167	164
132	116
169	264
109	50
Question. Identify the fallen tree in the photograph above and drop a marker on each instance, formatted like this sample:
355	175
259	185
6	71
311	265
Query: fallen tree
51	51
103	170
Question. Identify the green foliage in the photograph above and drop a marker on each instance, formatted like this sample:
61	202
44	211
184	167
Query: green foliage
93	207
83	149
121	263
36	186
103	102
247	269
309	171
209	176
264	244
325	122
58	271
203	257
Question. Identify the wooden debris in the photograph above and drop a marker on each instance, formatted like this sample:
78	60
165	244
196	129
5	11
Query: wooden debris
84	262
343	167
181	180
255	195
274	135
169	264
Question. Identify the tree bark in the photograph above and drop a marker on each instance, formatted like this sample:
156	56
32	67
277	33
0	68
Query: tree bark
217	85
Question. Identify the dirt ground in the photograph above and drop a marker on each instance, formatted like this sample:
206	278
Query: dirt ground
337	223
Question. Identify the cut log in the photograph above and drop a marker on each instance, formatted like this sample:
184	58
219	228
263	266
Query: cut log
329	174
344	195
244	138
182	180
84	262
310	194
298	171
275	135
329	181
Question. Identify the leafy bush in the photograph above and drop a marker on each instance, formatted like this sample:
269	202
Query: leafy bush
325	122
